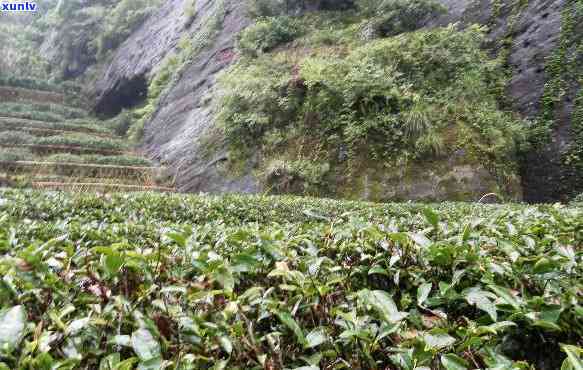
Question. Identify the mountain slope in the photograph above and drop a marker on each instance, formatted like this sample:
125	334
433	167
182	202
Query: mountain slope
172	73
524	34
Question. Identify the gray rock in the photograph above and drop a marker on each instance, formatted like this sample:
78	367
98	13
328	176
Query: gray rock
175	134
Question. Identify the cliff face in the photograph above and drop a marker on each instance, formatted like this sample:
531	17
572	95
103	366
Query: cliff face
173	134
178	130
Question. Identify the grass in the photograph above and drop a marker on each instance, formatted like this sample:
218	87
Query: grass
85	140
39	84
82	125
253	282
100	186
82	140
77	170
32	115
14	154
122	160
52	178
16	138
59	110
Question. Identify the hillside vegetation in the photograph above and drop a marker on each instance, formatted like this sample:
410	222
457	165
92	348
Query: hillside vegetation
58	145
355	99
323	100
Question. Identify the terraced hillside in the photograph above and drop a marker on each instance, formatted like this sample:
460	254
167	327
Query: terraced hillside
48	141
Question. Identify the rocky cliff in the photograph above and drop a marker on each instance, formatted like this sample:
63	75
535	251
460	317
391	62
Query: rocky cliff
526	33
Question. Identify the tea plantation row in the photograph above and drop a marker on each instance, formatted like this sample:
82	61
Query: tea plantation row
249	282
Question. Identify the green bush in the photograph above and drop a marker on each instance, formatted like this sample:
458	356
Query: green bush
271	8
296	177
267	33
69	88
266	8
71	125
121	123
86	124
16	138
121	160
384	96
420	95
119	22
15	154
84	140
31	115
305	283
50	109
392	17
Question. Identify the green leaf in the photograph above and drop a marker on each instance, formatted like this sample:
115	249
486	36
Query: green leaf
481	299
378	270
454	362
547	325
153	364
495	328
226	344
438	341
383	304
401	238
12	327
431	217
315	338
289	321
113	263
178	238
145	345
573	356
225	277
313	214
506	296
544	265
110	362
43	361
420	239
121	340
220	365
423	293
77	325
127	364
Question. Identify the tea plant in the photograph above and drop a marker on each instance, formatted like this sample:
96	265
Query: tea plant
251	282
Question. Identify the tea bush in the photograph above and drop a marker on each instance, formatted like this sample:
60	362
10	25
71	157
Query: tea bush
15	138
61	110
253	282
69	88
84	140
15	154
121	160
80	125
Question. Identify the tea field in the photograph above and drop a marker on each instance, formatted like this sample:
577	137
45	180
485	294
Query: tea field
48	142
166	281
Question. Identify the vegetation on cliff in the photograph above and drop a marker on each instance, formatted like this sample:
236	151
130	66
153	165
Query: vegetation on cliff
345	90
